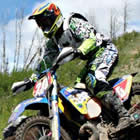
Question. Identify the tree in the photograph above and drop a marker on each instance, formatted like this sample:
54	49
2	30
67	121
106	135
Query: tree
92	18
4	63
19	23
26	58
126	13
4	49
39	51
31	53
114	23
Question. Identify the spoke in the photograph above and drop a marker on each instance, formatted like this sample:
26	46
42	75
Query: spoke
39	131
35	138
44	131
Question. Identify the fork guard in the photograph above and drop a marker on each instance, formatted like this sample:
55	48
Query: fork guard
33	103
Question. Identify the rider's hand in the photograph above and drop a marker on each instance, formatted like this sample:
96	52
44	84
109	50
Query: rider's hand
33	77
76	51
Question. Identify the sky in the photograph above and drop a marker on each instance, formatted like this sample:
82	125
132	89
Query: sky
100	9
12	5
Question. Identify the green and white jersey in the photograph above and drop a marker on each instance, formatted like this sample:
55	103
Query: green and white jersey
78	33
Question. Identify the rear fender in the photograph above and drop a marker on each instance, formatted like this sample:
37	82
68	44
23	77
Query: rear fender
33	104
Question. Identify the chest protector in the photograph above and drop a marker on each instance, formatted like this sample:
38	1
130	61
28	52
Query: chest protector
68	39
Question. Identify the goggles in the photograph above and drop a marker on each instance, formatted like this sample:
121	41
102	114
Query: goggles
46	20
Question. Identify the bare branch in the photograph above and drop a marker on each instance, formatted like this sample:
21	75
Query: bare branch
92	18
19	29
16	35
30	62
114	23
4	50
31	46
126	14
39	51
4	19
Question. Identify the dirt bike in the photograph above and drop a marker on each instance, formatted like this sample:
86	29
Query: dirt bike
72	113
65	111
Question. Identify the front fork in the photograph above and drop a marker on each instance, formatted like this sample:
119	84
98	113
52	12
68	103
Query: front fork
55	113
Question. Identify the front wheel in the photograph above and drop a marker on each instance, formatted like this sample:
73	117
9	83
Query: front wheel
37	128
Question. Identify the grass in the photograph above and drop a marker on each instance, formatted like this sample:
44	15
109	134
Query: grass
129	55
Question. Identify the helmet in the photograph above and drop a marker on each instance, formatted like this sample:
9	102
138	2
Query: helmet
48	17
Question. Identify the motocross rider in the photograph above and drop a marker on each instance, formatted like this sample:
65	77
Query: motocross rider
100	53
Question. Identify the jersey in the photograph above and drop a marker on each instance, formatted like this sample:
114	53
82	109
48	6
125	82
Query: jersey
97	49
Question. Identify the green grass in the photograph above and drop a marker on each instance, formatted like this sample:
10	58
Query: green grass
7	101
129	55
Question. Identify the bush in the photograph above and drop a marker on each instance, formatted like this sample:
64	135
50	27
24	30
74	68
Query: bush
125	39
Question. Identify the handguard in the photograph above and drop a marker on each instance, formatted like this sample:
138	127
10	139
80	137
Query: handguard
67	54
18	87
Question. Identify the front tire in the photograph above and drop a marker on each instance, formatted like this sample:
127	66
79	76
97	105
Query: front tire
36	127
10	138
9	134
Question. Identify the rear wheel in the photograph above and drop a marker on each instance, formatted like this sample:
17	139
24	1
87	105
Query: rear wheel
89	131
134	96
135	93
37	128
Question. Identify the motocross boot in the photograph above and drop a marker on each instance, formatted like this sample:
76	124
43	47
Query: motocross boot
124	118
109	98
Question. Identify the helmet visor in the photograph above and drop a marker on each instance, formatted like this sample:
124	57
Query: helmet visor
45	22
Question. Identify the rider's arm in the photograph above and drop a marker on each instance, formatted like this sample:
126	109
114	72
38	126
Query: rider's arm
67	54
84	32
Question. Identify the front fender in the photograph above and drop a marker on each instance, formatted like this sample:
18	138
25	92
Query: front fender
24	105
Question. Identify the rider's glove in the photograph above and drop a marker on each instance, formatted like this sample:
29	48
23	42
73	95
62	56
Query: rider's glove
33	77
76	51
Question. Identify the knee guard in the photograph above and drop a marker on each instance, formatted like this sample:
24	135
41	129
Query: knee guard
90	81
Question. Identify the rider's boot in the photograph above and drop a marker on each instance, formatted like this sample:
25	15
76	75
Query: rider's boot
110	99
124	118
